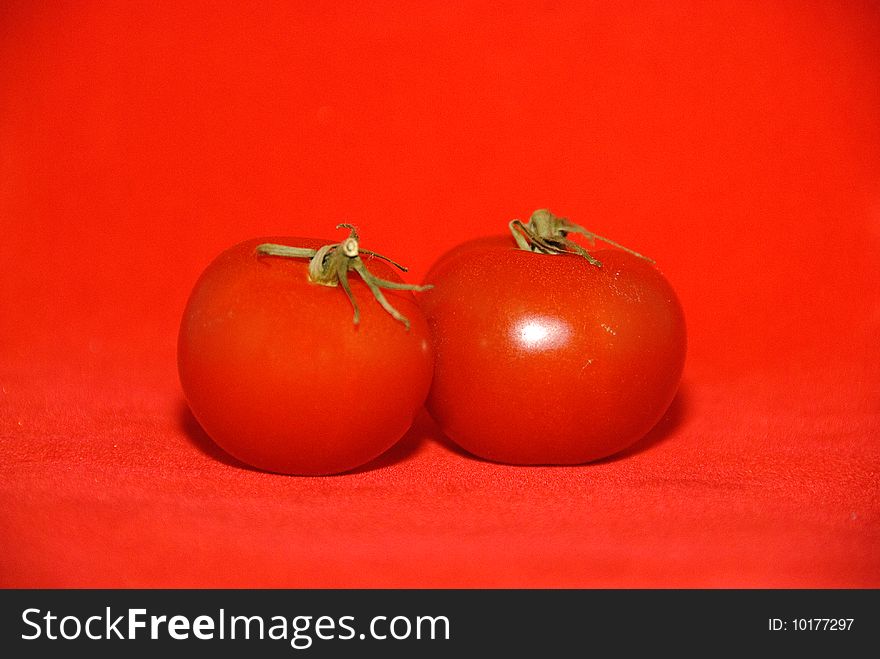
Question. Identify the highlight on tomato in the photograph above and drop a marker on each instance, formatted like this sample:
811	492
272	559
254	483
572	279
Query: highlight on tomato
547	352
301	357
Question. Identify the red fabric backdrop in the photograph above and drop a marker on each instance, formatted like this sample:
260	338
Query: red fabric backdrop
736	143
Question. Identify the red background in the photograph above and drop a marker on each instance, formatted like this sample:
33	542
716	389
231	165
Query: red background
737	143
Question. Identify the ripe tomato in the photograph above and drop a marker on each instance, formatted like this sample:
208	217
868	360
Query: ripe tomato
549	358
276	372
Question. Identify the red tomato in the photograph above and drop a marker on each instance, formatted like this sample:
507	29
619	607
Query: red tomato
276	372
547	358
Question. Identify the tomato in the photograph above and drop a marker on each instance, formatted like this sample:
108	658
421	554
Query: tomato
278	374
550	358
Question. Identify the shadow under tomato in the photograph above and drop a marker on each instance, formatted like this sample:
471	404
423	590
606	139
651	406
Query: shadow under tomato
439	437
202	441
658	434
405	448
665	428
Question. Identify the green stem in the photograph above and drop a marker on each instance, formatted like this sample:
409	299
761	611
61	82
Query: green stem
270	249
547	234
330	265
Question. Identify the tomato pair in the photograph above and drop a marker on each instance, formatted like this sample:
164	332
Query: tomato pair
304	358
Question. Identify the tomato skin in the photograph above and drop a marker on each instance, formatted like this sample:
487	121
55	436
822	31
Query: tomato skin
277	374
546	359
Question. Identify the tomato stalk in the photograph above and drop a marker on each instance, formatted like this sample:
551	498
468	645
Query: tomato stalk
547	234
330	265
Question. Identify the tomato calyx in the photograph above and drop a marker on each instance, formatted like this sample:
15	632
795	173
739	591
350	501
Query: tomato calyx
329	266
546	233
